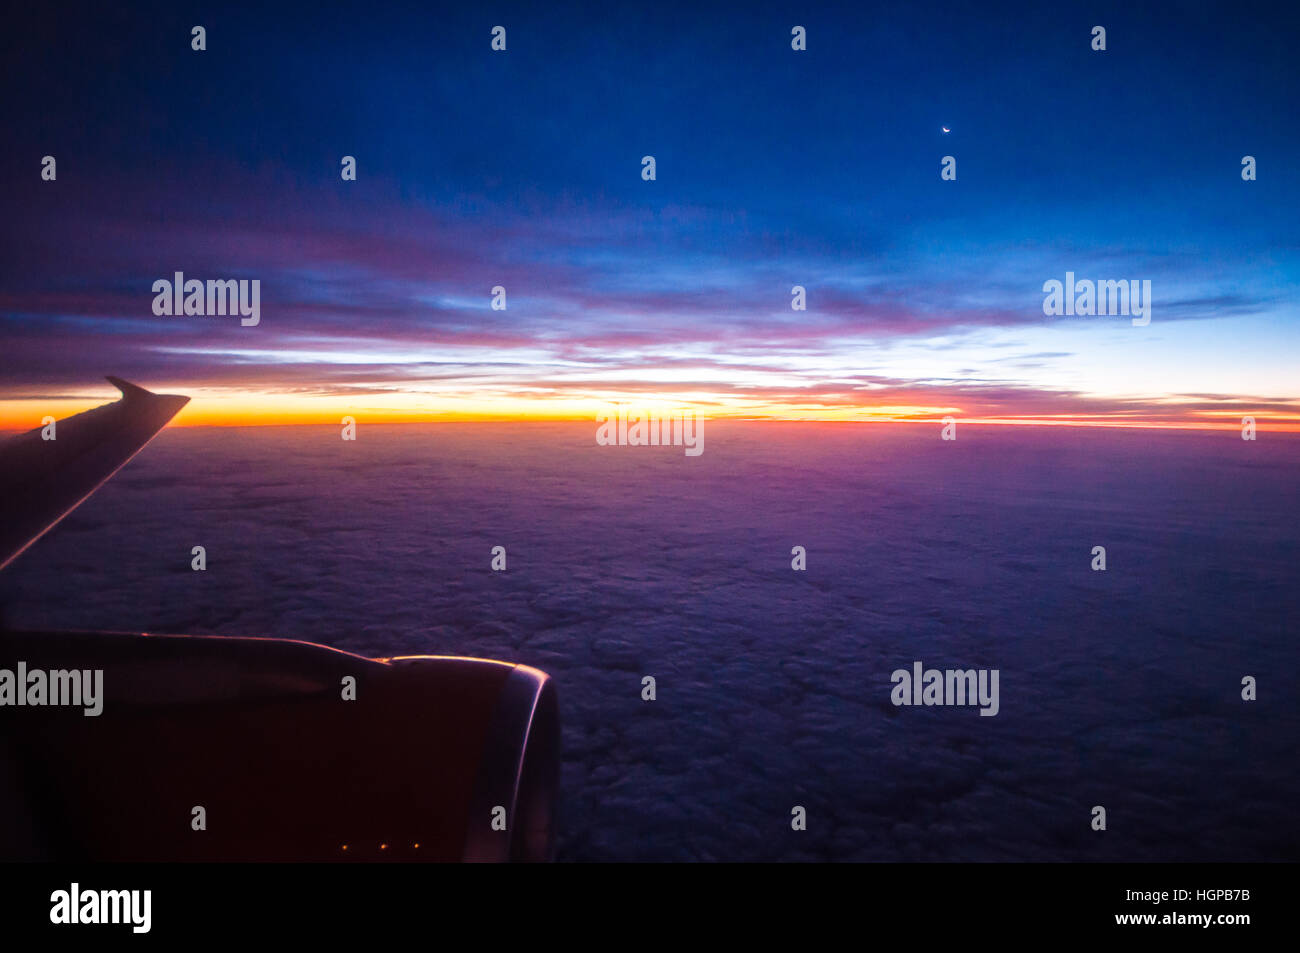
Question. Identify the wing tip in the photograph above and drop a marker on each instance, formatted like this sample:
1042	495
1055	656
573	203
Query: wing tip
135	391
127	388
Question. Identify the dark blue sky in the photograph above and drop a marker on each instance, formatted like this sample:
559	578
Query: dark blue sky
775	168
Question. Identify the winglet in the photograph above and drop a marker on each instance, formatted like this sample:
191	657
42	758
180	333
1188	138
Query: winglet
128	389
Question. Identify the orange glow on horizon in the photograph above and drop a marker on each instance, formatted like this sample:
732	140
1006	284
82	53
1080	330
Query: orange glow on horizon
221	410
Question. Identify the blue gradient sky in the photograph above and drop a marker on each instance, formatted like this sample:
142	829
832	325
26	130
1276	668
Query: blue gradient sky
775	168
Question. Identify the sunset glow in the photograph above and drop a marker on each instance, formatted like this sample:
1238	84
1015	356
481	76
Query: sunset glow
480	268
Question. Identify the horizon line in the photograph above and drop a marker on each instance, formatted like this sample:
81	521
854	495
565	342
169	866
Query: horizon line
1275	424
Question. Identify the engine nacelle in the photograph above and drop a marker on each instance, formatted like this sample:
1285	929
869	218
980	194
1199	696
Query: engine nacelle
292	751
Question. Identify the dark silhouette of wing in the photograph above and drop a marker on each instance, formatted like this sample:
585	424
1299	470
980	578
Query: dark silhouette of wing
42	481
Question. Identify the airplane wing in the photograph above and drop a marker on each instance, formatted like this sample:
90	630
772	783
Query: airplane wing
42	481
210	748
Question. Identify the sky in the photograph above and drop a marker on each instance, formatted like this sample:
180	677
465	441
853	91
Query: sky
774	168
